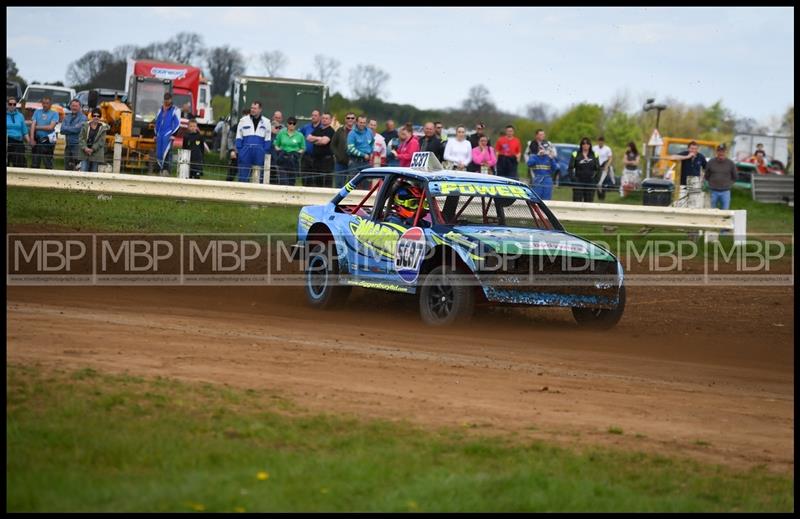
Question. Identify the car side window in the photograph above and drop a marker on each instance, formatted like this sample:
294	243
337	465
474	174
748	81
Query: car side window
361	200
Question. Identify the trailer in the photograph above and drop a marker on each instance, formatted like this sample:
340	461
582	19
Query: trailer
293	97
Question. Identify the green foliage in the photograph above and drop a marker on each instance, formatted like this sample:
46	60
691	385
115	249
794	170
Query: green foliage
583	120
98	442
221	106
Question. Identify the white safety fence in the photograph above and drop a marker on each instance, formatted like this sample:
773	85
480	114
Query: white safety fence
734	221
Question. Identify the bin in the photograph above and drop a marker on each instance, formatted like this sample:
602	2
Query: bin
657	191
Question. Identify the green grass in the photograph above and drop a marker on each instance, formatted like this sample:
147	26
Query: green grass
143	214
84	441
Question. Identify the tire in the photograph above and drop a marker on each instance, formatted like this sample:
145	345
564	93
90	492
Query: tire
321	272
440	302
601	319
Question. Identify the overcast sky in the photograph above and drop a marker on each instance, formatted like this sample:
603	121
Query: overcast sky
559	56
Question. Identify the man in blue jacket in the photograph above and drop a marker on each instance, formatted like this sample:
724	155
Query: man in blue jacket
71	128
16	135
168	120
543	168
253	136
307	160
360	142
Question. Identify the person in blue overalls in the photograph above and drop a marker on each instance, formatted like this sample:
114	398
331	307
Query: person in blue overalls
253	136
168	120
543	168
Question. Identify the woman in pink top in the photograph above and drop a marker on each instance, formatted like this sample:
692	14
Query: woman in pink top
409	145
483	156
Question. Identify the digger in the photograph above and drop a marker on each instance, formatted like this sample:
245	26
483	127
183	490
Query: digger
134	122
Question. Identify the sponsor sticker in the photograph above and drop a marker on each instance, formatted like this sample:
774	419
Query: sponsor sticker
409	253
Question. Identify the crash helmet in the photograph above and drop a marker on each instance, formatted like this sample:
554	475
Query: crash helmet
406	201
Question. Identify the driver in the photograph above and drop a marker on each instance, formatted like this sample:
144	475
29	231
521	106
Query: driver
405	204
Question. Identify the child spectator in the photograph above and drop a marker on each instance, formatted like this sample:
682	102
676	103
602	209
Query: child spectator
193	140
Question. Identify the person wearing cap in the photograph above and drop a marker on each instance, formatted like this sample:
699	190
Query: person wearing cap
289	146
92	142
168	120
475	138
721	175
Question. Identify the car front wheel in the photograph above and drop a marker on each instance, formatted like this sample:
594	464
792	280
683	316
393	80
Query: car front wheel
601	318
442	301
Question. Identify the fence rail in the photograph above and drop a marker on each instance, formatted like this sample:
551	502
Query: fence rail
772	188
215	190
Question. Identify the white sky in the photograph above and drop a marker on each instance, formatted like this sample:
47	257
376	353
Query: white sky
559	56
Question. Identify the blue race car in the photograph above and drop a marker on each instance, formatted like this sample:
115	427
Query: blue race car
455	239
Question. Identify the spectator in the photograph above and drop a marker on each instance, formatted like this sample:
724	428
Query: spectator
539	142
289	146
43	134
431	142
760	147
253	142
233	163
721	175
408	146
360	143
508	150
16	135
584	171
306	164
543	168
475	138
459	151
631	176
692	161
92	142
760	161
392	142
379	149
167	122
438	128
194	141
604	156
277	126
339	146
322	153
71	128
216	144
483	157
186	111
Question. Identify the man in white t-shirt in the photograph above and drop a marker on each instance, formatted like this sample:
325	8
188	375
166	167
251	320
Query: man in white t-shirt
604	156
379	148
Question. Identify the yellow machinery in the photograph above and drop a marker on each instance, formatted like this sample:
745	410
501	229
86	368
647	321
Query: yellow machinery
135	121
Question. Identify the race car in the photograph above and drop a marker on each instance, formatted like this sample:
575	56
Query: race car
455	240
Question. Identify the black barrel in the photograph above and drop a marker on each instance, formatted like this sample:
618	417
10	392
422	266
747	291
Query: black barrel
657	191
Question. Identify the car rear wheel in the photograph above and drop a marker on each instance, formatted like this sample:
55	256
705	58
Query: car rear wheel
322	272
442	301
602	318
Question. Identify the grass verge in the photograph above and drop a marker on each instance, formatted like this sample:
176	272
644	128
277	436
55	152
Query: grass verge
86	441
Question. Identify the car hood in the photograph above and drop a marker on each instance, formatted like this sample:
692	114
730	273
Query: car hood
514	240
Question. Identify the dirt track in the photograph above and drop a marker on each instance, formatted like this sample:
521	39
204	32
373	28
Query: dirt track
703	372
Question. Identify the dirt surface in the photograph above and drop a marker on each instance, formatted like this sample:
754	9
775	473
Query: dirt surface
690	371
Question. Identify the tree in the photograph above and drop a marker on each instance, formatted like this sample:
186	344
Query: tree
478	101
184	47
540	112
86	68
326	69
11	68
367	82
223	64
273	62
583	120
